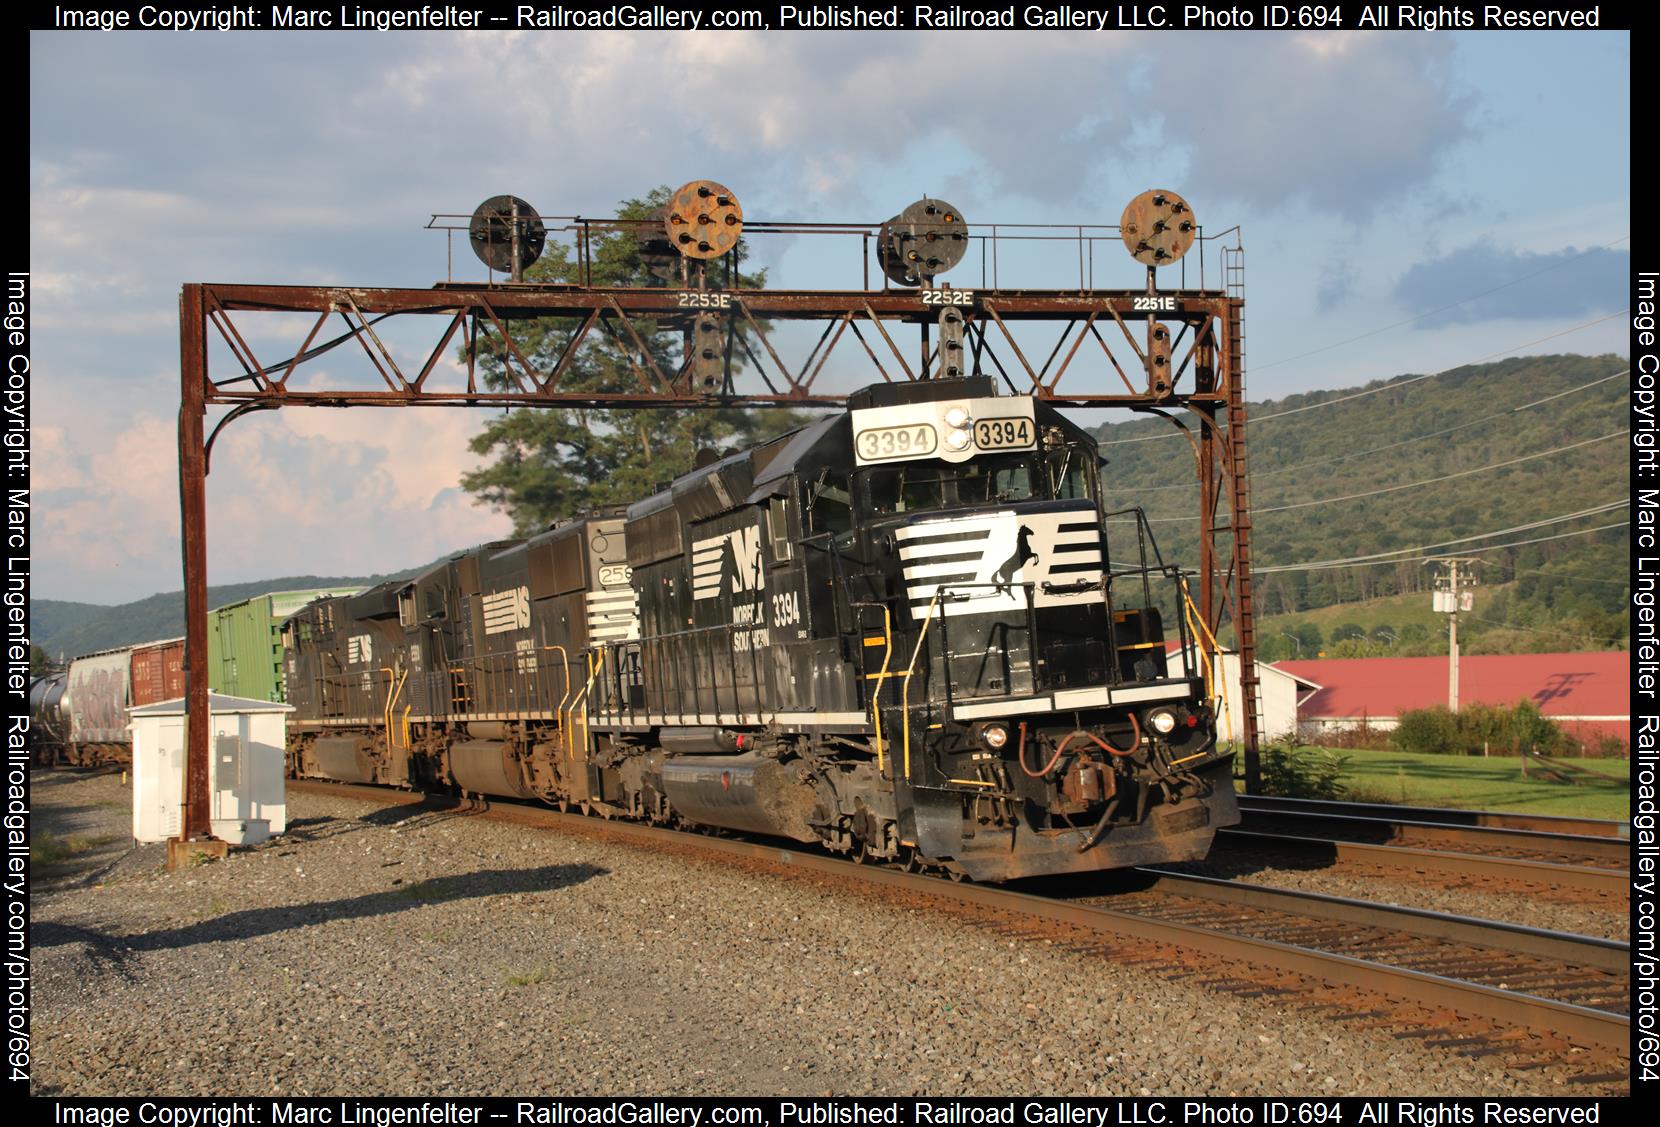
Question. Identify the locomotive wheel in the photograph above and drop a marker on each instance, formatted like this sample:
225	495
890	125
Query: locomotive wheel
908	860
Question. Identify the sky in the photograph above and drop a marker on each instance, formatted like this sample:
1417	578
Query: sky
1408	201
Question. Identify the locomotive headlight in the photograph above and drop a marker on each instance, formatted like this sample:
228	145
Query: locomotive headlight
994	736
957	439
1163	721
956	417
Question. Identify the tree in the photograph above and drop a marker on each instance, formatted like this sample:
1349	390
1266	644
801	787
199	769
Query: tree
553	462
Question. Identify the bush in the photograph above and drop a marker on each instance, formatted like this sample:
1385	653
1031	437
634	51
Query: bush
1362	735
1432	731
1478	729
1291	770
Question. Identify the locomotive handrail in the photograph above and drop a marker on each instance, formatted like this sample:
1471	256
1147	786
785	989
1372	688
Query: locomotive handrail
1221	690
559	710
691	646
881	679
905	686
394	689
595	668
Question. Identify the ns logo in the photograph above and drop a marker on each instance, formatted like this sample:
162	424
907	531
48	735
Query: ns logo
729	561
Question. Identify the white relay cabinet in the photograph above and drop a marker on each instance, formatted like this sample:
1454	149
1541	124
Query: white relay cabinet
246	792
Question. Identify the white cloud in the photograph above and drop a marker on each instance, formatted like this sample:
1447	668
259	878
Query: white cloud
293	492
317	158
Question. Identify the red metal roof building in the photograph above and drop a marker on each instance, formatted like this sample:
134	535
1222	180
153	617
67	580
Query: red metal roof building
1587	694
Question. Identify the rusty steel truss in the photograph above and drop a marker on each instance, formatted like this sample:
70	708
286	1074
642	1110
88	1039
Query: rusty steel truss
1158	351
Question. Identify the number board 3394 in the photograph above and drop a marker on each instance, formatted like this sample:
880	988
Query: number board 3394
1004	434
883	444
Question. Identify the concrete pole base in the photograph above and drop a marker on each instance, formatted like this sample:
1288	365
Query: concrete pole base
183	854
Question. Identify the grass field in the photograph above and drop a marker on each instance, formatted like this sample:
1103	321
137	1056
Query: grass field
1476	783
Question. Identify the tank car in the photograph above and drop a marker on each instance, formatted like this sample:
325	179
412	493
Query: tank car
900	632
48	718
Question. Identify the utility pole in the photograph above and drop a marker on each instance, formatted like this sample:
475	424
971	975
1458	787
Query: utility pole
1453	594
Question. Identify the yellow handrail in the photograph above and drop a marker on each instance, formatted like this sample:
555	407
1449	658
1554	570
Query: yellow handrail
565	661
397	695
386	709
1214	684
595	668
905	688
881	679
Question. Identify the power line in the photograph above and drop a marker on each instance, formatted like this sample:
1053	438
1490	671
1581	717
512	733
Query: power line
1390	386
1444	477
1444	308
1386	556
1433	375
1542	539
1567	575
1329	565
1410	484
1439	433
1405	441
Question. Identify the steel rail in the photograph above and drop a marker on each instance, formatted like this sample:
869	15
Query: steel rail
1502	819
1606	881
1581	1025
1401	829
1565	947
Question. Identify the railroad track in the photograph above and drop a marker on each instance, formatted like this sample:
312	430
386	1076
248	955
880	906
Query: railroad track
1500	819
1429	842
1537	998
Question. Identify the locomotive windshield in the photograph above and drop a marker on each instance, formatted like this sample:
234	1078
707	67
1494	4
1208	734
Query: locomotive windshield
996	480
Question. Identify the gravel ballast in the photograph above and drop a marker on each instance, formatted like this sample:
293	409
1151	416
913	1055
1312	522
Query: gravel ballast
403	950
1608	920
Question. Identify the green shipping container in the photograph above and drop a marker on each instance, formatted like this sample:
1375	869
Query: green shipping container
245	645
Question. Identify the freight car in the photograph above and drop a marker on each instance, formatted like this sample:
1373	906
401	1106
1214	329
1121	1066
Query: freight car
900	632
244	642
79	717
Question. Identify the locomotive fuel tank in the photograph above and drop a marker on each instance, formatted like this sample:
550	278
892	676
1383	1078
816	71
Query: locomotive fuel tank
487	767
345	758
751	792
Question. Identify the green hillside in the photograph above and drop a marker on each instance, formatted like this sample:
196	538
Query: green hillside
1568	454
1407	626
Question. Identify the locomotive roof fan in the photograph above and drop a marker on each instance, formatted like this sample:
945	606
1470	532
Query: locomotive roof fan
926	239
507	235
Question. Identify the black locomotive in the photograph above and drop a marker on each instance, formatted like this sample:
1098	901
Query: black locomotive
897	632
